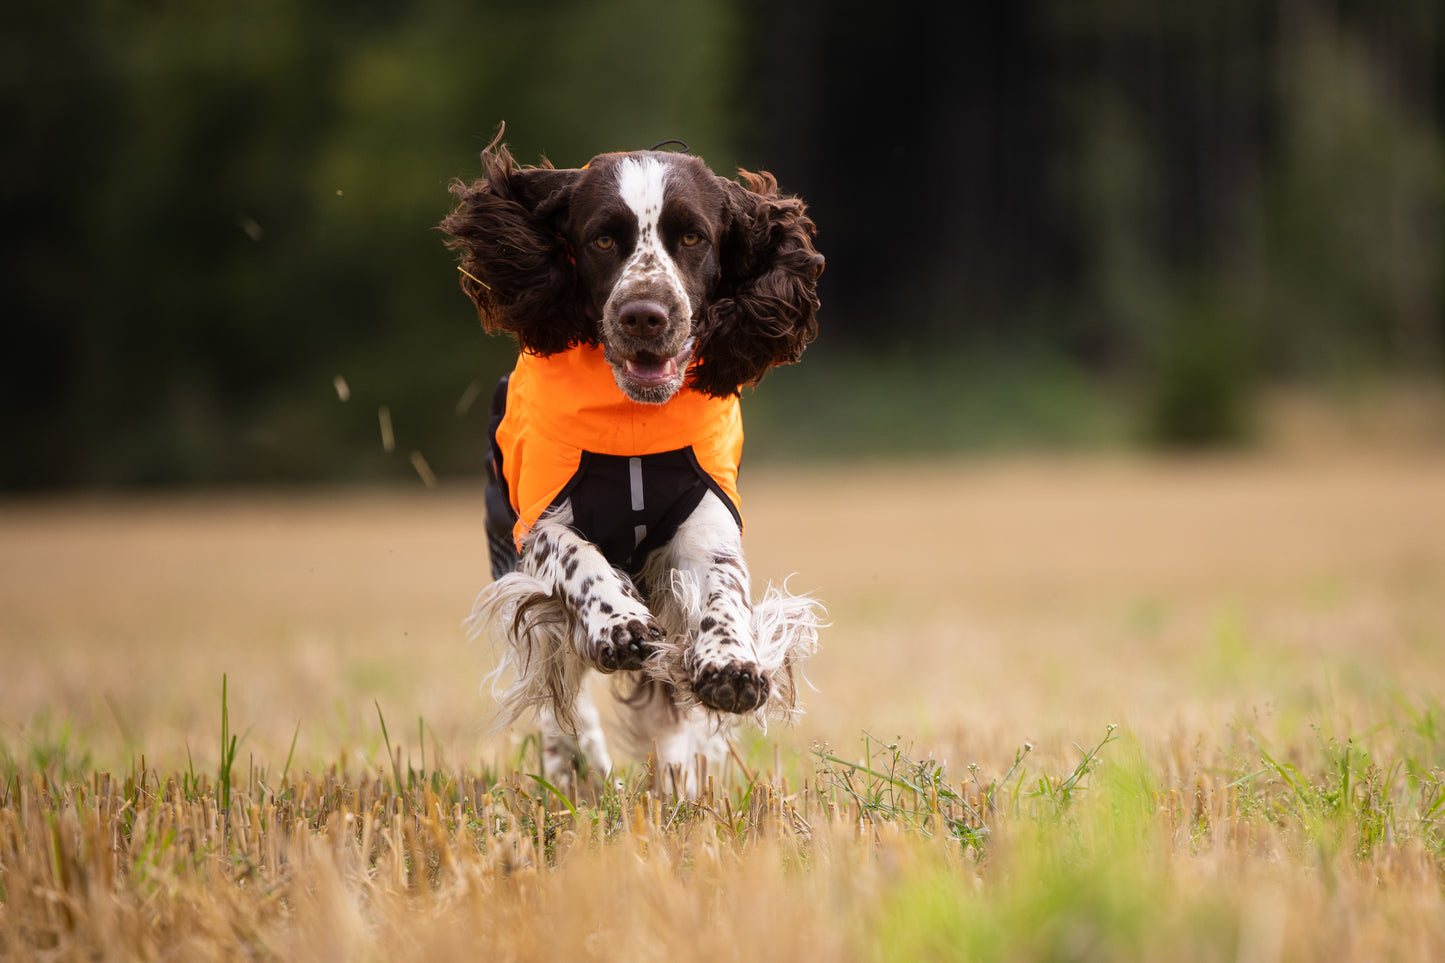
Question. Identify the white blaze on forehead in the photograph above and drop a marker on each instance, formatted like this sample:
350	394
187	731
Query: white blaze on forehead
641	182
642	185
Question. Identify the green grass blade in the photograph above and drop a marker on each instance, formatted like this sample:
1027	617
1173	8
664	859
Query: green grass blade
556	792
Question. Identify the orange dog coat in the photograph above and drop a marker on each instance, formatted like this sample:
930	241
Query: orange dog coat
633	471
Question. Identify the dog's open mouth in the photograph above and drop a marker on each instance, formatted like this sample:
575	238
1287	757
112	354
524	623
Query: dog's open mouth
650	371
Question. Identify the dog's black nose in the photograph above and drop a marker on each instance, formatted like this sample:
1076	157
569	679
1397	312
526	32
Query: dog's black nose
644	319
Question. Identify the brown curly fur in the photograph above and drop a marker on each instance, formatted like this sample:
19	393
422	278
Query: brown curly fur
762	313
517	263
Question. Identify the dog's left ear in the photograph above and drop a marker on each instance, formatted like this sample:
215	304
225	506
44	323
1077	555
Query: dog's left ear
763	311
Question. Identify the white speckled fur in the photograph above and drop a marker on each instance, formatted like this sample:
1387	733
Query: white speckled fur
700	598
707	552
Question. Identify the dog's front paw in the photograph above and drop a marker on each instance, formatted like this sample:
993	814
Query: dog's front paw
736	687
626	643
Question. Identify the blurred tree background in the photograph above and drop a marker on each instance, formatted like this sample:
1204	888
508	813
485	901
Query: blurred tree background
1035	214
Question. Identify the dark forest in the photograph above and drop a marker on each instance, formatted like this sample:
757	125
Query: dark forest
220	218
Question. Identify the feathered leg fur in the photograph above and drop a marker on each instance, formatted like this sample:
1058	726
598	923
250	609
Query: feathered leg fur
706	655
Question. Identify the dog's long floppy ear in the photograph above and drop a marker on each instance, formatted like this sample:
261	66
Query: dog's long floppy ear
763	311
516	264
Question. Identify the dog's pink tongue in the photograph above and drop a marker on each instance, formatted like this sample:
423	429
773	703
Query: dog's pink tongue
657	371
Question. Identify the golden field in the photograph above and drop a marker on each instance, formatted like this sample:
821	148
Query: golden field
1265	633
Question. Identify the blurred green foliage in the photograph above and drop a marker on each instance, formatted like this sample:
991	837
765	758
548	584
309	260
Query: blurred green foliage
1259	190
213	210
1057	211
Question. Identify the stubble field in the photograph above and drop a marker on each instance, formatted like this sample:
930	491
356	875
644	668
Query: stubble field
1066	709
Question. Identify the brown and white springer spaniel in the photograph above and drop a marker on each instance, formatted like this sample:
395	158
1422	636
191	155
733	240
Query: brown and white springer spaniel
689	283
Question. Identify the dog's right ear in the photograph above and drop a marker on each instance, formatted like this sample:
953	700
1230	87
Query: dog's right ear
517	265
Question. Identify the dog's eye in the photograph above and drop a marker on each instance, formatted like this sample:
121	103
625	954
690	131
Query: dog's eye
691	239
604	242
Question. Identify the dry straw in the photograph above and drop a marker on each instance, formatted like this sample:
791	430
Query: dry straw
882	857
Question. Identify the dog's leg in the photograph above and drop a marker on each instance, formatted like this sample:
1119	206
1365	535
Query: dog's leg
577	754
721	659
683	743
617	630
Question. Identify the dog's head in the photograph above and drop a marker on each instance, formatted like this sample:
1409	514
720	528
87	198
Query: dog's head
680	275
